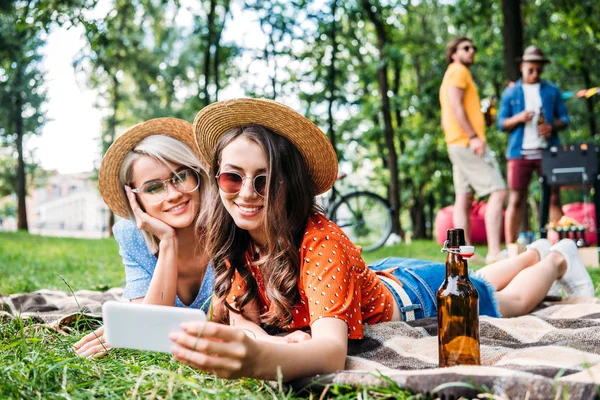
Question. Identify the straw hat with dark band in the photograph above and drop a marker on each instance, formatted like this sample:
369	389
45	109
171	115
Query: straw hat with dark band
215	120
108	179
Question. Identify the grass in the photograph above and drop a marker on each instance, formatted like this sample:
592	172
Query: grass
32	262
37	362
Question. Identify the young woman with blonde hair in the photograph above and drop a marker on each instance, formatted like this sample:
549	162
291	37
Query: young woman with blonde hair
152	177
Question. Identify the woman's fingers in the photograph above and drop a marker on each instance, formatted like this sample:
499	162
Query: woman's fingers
94	335
145	222
232	349
213	330
219	349
97	351
139	214
92	344
223	367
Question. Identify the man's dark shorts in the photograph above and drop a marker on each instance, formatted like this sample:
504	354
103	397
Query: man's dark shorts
520	172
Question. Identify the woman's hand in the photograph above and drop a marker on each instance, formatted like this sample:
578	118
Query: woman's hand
222	350
296	337
147	223
92	345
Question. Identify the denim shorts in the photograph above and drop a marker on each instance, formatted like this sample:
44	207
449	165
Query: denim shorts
421	280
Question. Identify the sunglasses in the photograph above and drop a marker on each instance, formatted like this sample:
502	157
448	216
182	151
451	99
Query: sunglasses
468	48
537	70
232	183
184	180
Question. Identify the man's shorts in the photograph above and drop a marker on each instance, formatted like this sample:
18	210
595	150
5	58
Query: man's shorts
520	172
472	173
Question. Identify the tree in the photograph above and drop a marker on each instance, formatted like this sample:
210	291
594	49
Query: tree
277	19
512	33
21	93
374	15
115	45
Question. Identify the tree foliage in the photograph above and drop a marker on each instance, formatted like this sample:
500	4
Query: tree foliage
367	71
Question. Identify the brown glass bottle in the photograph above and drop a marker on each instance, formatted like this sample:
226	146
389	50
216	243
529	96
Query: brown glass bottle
541	119
458	309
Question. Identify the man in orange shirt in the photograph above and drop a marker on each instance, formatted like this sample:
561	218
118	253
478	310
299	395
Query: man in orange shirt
474	165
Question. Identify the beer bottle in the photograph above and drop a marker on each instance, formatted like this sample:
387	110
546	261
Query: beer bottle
581	239
458	308
541	118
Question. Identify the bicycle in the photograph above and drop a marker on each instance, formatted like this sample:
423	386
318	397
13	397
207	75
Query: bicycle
365	217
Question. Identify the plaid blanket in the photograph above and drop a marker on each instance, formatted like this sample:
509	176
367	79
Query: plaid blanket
56	309
551	353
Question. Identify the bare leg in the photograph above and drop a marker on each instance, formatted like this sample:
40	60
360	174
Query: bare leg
514	214
502	272
555	207
493	222
462	214
530	286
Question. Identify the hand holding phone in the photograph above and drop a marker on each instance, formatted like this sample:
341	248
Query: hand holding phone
143	326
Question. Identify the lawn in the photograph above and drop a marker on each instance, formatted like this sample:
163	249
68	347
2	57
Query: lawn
36	362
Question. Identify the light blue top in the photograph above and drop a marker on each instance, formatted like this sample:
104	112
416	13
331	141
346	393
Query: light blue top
513	102
140	263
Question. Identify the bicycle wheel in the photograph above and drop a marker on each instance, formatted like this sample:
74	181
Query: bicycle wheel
365	218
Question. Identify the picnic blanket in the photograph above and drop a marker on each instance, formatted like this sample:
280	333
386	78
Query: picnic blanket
56	309
544	355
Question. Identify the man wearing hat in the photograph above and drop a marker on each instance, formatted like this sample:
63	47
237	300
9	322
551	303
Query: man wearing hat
532	112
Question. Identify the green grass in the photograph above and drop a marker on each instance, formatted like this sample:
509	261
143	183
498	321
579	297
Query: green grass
37	362
31	262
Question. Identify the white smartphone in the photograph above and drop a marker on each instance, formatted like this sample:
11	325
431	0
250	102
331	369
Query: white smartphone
144	327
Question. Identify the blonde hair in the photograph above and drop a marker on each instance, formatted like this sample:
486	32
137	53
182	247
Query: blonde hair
166	149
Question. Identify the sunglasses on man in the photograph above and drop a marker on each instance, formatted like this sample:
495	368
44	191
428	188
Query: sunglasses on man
536	70
468	48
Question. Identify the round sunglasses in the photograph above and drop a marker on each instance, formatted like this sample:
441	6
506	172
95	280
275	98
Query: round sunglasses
232	182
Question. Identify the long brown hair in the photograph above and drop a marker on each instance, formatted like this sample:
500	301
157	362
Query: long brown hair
289	201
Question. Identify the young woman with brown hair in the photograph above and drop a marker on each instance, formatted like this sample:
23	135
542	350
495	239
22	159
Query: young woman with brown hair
282	266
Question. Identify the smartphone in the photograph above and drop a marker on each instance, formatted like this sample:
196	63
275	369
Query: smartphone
144	327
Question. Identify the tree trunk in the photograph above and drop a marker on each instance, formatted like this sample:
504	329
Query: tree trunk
417	216
112	132
331	73
396	90
431	215
589	102
382	79
272	56
217	49
21	182
512	34
209	43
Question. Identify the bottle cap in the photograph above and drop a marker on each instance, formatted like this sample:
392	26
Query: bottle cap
467	251
463	251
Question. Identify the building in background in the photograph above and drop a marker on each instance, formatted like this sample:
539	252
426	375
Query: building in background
68	205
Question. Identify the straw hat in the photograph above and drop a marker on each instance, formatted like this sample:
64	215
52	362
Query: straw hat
534	54
108	178
215	120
